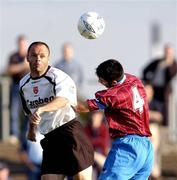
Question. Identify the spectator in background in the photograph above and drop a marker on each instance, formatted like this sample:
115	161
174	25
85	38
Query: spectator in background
31	155
160	72
98	133
156	117
68	64
4	171
17	68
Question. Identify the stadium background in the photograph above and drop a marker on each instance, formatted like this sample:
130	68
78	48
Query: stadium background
128	34
136	31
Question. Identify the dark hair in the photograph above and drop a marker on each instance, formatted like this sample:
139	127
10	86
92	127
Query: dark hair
110	70
38	43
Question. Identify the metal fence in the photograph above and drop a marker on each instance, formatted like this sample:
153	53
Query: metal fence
173	113
4	107
5	83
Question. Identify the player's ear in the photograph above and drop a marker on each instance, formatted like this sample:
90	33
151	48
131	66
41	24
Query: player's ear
114	82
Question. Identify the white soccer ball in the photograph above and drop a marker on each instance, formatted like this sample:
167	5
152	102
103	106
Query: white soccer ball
91	25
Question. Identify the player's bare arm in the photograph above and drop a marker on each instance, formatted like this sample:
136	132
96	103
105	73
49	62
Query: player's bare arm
54	105
18	68
31	132
35	118
81	108
34	121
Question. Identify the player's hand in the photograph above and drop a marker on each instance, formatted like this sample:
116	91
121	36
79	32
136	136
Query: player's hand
81	108
35	117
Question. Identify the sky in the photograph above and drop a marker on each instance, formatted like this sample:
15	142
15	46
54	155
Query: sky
127	36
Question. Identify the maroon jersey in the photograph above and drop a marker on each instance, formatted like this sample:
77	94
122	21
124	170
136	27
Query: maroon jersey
126	108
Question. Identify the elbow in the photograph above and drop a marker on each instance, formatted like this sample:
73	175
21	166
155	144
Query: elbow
66	101
62	101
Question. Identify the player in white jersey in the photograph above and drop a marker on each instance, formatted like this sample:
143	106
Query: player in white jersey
48	95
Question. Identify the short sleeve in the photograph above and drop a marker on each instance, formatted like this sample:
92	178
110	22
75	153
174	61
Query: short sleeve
100	102
26	110
103	98
65	87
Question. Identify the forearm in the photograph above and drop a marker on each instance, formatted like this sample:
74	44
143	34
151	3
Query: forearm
32	127
81	107
35	117
89	105
16	68
157	116
32	132
54	105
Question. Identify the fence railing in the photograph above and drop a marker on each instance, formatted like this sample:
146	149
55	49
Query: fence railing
5	83
4	107
173	113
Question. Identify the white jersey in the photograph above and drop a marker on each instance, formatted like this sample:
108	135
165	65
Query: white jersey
36	92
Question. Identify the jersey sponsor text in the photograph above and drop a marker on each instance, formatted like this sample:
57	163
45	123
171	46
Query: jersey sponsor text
34	104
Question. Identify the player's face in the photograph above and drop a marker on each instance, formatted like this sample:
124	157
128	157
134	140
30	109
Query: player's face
38	59
106	83
103	82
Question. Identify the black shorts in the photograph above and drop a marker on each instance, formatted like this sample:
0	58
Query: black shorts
66	150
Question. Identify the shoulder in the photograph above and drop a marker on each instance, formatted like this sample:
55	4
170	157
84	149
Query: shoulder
53	72
154	62
57	74
14	54
58	63
77	64
25	79
14	57
175	63
103	93
131	77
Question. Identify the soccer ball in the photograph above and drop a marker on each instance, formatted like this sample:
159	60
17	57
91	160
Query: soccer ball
91	25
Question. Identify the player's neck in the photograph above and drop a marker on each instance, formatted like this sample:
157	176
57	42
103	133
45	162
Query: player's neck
37	74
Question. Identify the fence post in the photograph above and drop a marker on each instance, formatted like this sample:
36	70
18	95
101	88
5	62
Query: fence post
4	107
172	114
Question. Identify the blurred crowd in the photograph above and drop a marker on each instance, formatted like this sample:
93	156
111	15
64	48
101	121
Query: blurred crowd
157	76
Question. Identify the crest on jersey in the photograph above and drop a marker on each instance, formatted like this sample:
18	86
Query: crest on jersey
35	89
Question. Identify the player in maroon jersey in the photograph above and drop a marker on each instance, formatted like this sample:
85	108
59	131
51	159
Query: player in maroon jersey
126	110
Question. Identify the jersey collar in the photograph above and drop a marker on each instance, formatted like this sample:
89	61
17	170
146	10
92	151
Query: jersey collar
41	75
122	80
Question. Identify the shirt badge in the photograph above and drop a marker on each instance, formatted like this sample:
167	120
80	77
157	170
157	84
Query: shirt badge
35	89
